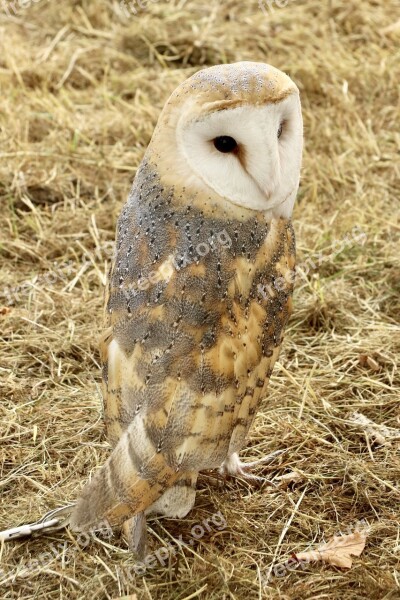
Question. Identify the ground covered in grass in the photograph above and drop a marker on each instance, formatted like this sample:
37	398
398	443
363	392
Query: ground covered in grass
82	84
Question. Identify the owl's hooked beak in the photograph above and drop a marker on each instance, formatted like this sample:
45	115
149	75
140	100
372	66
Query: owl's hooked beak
266	185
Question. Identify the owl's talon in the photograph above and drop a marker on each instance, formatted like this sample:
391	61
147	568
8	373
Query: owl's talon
263	460
234	467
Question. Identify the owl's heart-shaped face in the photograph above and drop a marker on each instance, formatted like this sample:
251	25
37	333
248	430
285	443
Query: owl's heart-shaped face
234	131
250	155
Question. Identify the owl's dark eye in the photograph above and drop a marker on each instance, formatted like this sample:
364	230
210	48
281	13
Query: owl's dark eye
280	130
225	143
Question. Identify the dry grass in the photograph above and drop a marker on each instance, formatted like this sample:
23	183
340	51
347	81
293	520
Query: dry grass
81	89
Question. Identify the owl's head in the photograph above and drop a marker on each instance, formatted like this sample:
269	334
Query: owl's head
233	134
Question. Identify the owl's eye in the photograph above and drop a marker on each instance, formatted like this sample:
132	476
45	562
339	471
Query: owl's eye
280	130
225	143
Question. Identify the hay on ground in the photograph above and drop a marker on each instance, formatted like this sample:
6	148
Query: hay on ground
81	87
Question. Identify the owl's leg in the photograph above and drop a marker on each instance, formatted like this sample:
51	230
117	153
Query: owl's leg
235	467
134	531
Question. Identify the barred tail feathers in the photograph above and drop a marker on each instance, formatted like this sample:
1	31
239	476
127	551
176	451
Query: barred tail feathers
131	480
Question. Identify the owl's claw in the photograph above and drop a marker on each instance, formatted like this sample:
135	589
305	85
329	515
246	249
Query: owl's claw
234	467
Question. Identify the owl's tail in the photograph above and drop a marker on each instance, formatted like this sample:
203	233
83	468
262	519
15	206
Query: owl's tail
132	479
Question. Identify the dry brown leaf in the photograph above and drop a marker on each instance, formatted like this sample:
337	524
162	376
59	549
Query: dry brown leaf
4	310
368	361
337	551
380	433
287	478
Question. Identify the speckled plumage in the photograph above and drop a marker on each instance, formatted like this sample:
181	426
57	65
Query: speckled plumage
192	337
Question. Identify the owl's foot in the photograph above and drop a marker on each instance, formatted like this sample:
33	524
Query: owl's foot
234	467
134	531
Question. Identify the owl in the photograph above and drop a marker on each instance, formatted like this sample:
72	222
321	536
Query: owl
199	293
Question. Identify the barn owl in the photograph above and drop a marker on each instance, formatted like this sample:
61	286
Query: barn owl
195	313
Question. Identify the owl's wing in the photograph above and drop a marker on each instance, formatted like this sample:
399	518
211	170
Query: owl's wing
165	405
135	474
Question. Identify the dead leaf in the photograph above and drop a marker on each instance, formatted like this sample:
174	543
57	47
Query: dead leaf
4	310
380	433
287	478
337	551
368	361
